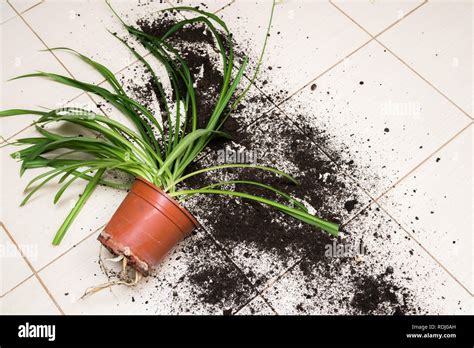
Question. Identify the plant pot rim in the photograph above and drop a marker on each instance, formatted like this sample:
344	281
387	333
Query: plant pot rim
171	200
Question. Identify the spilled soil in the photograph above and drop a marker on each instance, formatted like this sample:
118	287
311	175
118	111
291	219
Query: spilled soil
253	242
371	291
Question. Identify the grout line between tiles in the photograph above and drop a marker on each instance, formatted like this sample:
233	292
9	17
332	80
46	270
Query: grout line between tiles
396	22
428	82
33	269
124	68
17	285
267	303
248	281
2	231
40	39
384	30
224	7
31	7
276	279
400	59
245	304
24	11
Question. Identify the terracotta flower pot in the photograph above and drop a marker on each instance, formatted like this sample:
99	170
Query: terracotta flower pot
146	226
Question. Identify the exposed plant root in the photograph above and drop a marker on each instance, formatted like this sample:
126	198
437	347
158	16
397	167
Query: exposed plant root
115	259
101	262
94	289
124	267
123	277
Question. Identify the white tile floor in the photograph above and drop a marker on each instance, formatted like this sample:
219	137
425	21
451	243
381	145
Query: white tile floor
415	106
401	121
415	204
13	269
295	24
447	66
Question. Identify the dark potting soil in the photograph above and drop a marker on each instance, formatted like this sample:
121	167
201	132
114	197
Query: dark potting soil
216	282
374	291
254	220
235	224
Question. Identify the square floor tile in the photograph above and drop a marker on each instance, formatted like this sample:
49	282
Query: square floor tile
374	116
435	204
29	298
13	268
436	41
306	38
376	269
21	55
37	222
376	15
260	240
196	278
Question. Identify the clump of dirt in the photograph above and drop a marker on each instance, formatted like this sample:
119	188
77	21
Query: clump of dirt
217	282
372	292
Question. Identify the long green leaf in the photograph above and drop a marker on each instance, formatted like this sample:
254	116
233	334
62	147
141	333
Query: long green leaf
91	185
327	226
258	184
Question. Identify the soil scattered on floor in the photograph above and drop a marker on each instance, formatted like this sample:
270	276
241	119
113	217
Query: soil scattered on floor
350	205
235	224
374	292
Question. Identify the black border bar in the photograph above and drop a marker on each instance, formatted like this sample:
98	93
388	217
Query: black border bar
257	330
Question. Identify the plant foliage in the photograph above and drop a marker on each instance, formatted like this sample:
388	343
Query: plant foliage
157	151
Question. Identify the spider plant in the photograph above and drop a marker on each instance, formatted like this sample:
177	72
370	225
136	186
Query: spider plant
158	149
